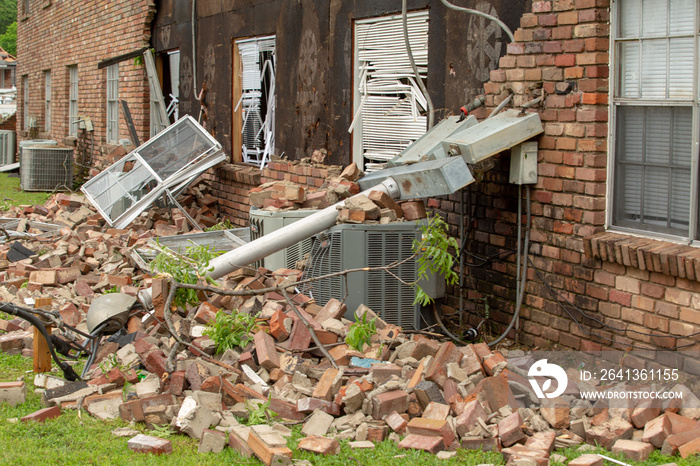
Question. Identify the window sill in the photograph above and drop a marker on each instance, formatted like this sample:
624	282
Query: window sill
678	260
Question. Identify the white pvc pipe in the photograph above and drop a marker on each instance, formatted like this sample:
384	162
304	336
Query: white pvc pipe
287	236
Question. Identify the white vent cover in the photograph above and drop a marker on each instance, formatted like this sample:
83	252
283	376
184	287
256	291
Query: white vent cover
46	168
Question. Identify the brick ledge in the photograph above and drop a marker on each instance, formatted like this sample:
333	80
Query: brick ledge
664	257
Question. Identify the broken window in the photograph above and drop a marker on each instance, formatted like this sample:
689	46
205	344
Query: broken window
73	100
254	112
653	115
389	105
163	166
113	103
171	84
47	101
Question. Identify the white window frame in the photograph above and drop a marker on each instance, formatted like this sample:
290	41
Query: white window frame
47	101
389	109
112	129
25	98
617	102
73	100
258	125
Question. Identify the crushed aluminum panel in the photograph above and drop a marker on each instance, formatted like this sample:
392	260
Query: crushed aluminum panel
174	157
494	135
426	179
429	146
219	241
47	229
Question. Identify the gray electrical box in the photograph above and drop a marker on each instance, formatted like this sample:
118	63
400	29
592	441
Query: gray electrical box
523	163
493	135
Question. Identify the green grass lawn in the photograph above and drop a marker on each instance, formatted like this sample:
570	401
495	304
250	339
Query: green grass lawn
11	194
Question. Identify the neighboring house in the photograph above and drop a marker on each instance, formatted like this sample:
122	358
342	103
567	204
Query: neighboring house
69	69
8	65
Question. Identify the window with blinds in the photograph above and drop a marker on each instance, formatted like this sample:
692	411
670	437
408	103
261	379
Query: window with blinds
113	103
654	117
390	109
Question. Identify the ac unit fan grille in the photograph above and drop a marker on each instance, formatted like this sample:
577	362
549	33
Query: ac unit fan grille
46	169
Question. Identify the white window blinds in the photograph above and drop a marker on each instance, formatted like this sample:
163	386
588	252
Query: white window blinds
389	106
653	112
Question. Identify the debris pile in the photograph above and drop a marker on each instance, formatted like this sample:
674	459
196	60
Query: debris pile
377	207
194	369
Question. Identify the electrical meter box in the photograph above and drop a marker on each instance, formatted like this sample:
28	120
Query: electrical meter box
523	163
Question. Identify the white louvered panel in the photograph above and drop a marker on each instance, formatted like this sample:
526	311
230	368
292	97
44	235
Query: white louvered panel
629	69
630	17
655	68
682	16
392	101
681	68
654	18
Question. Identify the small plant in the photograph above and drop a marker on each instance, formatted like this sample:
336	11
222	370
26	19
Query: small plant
231	330
108	363
188	268
259	413
114	289
163	431
434	255
361	332
224	225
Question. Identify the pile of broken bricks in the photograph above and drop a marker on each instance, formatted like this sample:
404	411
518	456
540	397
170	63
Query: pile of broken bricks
408	387
376	207
415	390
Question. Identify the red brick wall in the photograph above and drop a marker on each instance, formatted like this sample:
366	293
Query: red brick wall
9	123
231	183
625	282
48	39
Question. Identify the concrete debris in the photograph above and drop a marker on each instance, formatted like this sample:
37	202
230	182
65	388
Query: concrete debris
421	392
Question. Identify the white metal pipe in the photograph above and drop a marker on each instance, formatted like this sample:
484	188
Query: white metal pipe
287	236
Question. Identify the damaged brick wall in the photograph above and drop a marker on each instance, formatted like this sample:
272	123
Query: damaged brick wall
562	48
48	40
231	183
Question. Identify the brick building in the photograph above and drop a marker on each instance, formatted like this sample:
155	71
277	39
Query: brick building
60	46
612	256
612	261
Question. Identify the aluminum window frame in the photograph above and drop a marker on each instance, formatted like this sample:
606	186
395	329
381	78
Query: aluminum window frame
73	83
256	78
154	179
616	102
25	102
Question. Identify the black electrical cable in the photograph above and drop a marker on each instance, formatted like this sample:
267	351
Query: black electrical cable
27	315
